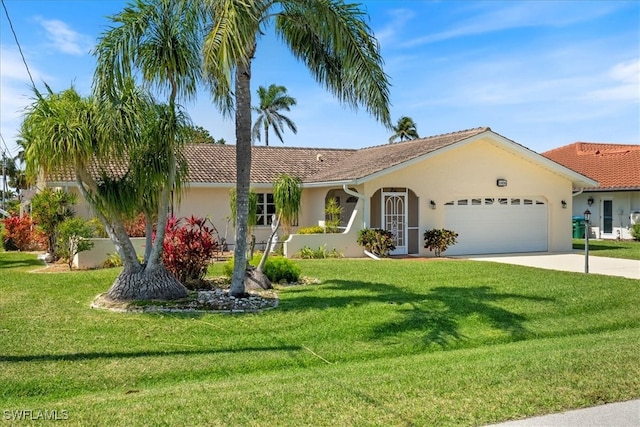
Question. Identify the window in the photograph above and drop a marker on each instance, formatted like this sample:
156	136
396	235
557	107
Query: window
266	208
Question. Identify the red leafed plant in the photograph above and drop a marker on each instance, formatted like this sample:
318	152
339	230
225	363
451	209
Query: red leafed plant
189	244
136	226
21	234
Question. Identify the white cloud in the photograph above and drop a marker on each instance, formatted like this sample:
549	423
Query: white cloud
623	84
397	19
508	15
64	38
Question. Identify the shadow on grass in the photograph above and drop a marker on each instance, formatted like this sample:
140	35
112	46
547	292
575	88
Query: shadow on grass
436	314
598	247
18	259
134	354
439	313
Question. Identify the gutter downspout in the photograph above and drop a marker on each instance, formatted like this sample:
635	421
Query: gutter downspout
359	196
577	193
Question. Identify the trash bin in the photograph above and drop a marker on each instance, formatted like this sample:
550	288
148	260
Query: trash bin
578	227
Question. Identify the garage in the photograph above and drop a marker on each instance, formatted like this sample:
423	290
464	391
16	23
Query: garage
491	225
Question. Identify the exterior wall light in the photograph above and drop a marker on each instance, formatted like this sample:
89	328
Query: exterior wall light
564	204
432	204
590	201
501	182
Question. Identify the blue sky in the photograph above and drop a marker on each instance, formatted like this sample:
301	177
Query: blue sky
542	73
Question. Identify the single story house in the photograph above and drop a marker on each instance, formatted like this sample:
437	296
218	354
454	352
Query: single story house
615	203
499	196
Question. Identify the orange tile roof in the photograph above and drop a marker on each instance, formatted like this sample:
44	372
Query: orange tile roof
614	166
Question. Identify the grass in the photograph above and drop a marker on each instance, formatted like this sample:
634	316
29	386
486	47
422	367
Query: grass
395	342
627	249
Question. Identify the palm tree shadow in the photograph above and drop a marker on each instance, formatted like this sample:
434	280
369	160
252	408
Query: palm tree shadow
436	315
441	310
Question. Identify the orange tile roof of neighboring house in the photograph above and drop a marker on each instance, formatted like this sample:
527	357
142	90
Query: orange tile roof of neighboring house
614	166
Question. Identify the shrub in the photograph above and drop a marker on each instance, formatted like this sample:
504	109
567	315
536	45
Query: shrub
314	229
113	260
280	269
438	240
189	245
377	241
20	234
320	253
635	231
72	238
49	209
277	268
98	228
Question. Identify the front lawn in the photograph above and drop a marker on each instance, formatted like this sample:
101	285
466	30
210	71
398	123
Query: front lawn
627	249
392	342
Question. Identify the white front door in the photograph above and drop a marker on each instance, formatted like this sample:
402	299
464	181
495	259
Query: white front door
394	217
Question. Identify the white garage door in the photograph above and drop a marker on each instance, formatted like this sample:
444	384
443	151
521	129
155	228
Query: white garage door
491	225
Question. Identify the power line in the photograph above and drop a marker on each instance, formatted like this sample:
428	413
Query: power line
6	12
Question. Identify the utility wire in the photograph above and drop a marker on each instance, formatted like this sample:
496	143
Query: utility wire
6	12
24	61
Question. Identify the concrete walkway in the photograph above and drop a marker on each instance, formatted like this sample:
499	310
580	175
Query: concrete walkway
622	414
568	262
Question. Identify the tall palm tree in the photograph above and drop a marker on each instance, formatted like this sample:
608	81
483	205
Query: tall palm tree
272	100
330	37
159	40
405	130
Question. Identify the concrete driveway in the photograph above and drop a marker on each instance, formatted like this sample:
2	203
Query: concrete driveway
622	414
568	262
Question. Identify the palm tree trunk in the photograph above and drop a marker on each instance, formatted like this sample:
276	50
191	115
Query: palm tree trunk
145	284
266	133
243	175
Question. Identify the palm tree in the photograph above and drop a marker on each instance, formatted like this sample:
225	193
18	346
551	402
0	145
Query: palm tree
66	131
272	101
159	40
405	130
330	37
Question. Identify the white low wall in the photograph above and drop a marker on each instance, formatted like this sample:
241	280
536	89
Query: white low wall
101	250
346	242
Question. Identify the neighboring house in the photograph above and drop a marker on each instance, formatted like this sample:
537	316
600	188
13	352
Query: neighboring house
615	203
497	195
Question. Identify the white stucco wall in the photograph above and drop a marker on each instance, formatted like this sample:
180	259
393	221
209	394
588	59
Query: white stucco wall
101	250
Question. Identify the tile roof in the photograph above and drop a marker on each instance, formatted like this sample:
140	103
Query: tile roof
614	166
216	164
367	161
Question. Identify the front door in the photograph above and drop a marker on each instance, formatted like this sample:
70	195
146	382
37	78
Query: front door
394	217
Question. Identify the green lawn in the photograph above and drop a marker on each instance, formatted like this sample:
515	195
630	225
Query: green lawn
627	249
394	342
